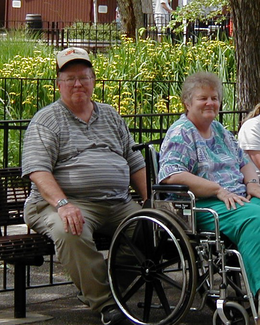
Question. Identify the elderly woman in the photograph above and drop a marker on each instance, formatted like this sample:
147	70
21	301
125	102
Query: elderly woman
199	152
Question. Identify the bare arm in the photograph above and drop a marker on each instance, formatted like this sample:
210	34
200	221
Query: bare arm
52	193
168	8
201	187
249	172
204	188
255	156
138	182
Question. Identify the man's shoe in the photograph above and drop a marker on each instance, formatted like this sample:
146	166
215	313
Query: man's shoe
111	315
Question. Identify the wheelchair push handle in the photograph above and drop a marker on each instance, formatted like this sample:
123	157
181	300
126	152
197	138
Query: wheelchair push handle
139	146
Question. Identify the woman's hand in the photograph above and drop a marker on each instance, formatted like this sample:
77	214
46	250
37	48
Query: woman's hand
230	199
253	189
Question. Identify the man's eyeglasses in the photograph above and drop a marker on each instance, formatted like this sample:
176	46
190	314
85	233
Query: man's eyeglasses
71	81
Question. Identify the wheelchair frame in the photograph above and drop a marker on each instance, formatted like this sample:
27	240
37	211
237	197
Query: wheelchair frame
158	261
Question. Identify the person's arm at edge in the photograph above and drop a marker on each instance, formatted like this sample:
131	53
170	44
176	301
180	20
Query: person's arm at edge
254	156
167	8
249	172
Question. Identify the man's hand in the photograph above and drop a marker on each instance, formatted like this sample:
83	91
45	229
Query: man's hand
72	218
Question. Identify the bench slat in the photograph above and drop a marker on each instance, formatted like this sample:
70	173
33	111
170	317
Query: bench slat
17	247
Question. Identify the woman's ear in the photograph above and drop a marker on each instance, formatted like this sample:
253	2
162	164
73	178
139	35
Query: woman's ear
186	107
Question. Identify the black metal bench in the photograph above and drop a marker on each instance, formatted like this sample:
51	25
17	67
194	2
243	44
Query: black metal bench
22	250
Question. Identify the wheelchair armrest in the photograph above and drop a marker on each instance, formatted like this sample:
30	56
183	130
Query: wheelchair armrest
170	188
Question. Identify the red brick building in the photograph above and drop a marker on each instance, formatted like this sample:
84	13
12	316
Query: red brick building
102	11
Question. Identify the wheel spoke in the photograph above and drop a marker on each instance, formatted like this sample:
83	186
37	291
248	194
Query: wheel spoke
144	235
132	246
147	301
163	299
130	293
169	280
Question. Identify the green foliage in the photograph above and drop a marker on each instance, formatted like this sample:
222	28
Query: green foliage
27	77
203	10
141	77
23	43
151	75
152	72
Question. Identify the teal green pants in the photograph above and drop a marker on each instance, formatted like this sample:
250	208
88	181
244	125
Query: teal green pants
242	227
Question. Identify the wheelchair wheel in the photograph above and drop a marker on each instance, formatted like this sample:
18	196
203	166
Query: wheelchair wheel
152	268
235	313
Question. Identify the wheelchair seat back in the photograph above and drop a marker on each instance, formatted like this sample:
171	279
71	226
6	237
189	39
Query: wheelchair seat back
181	207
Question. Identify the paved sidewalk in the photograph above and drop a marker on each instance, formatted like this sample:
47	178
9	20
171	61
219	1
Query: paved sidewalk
59	305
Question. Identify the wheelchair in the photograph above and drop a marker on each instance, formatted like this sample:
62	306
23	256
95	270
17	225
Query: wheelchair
158	261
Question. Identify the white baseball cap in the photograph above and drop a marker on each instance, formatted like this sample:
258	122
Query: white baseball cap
70	54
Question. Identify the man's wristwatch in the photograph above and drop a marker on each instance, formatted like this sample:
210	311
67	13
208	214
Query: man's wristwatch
254	180
61	203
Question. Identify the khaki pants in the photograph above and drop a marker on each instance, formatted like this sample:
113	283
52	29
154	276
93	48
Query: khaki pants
78	254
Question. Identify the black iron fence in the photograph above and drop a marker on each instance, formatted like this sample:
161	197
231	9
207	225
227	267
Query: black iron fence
149	108
101	36
94	37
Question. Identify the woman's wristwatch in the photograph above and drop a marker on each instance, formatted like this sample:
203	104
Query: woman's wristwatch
254	180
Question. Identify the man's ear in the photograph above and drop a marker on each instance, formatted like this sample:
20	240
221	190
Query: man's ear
57	83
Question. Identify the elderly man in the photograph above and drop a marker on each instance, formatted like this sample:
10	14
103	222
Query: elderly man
78	155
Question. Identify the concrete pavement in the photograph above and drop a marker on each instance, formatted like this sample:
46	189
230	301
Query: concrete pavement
59	305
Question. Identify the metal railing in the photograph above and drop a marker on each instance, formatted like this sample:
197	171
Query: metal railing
149	108
94	37
144	127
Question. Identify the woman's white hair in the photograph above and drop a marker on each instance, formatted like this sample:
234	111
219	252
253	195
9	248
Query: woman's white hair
199	80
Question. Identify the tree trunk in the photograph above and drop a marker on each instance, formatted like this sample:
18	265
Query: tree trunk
147	6
246	19
132	17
